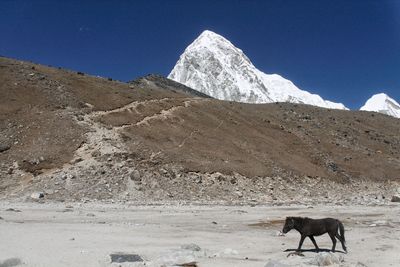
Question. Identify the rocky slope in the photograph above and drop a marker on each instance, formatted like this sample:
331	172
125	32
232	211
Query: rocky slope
214	66
75	137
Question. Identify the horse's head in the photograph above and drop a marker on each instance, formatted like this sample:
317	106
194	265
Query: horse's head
289	225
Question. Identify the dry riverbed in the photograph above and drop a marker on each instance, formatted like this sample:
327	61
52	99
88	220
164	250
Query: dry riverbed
76	234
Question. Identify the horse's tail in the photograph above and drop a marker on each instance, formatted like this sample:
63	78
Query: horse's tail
341	230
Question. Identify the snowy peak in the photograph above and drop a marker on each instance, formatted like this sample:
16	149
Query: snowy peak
382	103
217	45
212	65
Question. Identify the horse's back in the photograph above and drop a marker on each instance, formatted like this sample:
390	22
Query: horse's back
321	226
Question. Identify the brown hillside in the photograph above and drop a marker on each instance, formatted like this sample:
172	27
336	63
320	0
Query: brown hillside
68	132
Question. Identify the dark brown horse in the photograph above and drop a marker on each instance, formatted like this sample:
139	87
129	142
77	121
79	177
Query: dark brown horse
311	227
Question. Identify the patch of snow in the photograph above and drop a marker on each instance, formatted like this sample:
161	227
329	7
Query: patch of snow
382	103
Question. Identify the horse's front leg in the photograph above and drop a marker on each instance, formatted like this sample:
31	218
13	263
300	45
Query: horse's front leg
301	242
315	243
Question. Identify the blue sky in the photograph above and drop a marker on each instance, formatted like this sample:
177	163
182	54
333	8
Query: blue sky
344	51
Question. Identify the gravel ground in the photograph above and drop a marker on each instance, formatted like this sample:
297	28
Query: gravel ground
86	234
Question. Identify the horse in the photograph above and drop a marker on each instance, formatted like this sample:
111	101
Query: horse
308	227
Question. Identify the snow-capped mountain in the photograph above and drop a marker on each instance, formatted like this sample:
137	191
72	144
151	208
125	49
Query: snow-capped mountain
214	66
384	104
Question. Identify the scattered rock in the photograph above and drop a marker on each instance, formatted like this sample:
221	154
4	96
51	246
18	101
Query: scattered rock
10	262
90	215
279	233
96	154
275	263
192	247
13	210
360	264
125	257
66	210
395	199
326	259
4	147
188	264
37	195
76	160
135	176
296	253
181	257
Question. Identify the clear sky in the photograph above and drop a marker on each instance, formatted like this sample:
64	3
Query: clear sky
344	51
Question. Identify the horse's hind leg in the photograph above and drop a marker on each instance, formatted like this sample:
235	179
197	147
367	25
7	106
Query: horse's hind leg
315	243
332	236
341	241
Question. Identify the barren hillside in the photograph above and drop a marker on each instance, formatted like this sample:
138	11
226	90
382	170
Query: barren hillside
74	136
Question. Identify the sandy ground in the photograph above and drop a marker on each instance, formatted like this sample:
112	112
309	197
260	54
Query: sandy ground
75	234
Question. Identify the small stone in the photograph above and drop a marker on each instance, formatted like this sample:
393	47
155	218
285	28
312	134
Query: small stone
96	154
279	233
135	176
11	262
10	170
90	215
77	160
395	199
275	263
192	247
4	147
123	257
13	210
37	195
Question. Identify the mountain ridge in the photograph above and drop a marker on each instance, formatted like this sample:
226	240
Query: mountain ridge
212	65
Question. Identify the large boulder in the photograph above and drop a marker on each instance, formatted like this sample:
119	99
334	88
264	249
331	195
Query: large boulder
326	259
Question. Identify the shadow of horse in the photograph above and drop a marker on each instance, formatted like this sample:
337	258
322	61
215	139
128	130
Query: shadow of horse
312	250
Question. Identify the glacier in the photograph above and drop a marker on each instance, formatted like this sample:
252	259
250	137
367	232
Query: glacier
214	66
